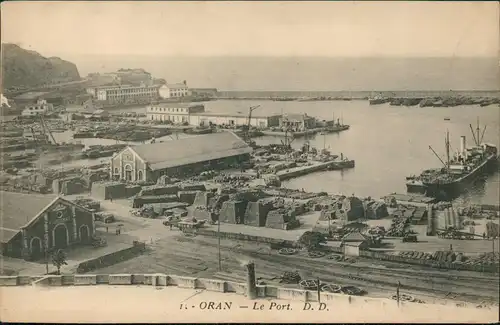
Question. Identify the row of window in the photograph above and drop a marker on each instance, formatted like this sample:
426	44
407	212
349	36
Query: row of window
124	93
168	109
173	118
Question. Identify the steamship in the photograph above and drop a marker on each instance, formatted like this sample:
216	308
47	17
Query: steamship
463	168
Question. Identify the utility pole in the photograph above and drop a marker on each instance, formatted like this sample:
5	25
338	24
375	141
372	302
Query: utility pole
218	244
46	257
397	292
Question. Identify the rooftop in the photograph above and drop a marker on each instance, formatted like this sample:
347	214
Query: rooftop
235	114
186	151
177	105
17	209
176	85
296	117
123	87
354	236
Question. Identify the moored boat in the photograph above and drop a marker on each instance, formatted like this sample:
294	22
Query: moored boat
467	165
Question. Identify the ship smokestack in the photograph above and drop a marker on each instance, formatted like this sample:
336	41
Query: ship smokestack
463	149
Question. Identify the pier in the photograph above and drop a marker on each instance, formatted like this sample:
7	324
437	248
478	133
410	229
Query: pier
304	170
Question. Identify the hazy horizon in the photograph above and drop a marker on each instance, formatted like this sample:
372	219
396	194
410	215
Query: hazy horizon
260	73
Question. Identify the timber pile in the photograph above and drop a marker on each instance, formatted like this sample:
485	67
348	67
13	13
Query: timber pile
399	226
88	203
485	259
290	277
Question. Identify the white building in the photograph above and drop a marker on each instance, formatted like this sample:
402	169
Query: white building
124	94
41	107
174	90
234	119
174	112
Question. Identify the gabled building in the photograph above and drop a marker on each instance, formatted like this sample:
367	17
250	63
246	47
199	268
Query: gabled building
182	157
32	224
353	243
40	108
297	122
176	90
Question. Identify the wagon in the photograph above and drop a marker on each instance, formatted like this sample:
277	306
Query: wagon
182	225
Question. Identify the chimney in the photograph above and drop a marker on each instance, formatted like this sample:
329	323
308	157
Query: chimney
251	285
463	148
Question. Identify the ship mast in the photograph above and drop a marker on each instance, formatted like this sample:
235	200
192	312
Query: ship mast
477	131
447	144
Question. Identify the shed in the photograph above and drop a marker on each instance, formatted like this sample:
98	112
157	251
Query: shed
353	243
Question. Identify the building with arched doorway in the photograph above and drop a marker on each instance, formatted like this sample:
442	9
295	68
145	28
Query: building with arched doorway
178	158
32	224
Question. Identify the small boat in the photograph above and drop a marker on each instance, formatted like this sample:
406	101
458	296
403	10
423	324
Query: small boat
446	118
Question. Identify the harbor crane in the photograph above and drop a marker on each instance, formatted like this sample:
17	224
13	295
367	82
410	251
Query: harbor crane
246	130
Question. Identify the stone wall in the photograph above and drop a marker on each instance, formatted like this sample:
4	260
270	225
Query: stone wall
111	259
159	280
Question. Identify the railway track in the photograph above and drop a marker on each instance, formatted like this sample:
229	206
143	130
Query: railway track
198	257
423	274
377	276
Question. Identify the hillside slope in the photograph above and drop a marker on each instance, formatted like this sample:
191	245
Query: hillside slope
24	68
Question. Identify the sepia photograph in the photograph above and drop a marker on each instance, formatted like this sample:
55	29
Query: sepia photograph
250	161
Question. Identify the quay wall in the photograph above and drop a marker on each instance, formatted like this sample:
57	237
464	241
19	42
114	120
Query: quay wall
240	236
165	280
112	258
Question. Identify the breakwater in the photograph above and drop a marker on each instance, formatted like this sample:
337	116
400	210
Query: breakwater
356	94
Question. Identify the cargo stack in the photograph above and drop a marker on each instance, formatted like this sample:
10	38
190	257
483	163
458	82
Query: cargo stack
281	219
108	190
256	213
431	221
233	212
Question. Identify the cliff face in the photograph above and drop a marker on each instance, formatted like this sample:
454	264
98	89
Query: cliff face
24	68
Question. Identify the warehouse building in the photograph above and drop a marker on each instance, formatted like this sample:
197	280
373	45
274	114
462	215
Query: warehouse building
125	93
181	157
174	112
33	223
234	119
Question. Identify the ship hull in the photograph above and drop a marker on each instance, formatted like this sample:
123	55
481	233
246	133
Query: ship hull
416	188
451	190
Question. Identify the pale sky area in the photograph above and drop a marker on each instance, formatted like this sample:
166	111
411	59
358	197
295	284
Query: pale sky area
343	29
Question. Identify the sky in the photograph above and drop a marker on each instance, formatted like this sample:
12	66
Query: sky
329	29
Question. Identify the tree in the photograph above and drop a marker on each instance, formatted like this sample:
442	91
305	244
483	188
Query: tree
312	239
59	259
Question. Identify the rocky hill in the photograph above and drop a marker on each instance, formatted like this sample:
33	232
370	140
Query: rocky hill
23	68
